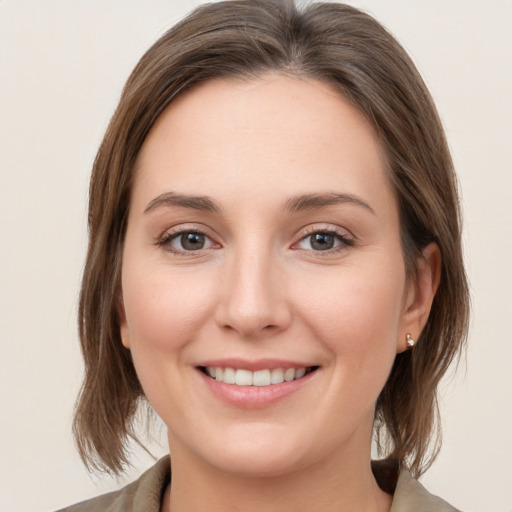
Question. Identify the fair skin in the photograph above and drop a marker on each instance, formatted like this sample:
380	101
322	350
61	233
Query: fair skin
263	235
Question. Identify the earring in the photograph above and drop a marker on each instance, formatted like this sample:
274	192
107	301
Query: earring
410	341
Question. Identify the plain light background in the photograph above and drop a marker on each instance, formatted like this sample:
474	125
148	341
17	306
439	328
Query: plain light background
62	67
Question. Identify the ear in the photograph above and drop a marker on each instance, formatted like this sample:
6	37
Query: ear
420	293
123	324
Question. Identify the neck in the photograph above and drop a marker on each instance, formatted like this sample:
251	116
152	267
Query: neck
327	486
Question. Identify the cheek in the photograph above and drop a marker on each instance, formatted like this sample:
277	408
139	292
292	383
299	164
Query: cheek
356	312
163	309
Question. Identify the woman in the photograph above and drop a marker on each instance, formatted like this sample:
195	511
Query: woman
274	265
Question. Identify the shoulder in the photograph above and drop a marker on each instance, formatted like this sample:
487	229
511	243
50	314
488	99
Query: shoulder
410	495
144	493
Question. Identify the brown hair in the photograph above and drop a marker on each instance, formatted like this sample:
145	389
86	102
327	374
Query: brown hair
245	38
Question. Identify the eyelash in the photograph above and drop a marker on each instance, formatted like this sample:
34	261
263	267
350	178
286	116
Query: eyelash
166	240
344	241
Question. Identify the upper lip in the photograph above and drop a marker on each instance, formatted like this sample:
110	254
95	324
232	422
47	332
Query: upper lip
254	365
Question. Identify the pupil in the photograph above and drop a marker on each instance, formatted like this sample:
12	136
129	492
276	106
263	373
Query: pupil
192	241
322	241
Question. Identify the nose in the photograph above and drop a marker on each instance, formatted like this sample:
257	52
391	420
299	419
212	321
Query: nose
254	302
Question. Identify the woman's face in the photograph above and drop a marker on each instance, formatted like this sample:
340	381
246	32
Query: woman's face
263	245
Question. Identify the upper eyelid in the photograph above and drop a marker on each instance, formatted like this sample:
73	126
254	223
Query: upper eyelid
345	235
166	240
171	233
324	228
302	233
185	227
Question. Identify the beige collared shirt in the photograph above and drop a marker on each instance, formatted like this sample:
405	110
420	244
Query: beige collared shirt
145	495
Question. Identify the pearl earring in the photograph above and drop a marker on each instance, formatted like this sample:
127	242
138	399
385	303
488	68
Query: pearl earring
410	341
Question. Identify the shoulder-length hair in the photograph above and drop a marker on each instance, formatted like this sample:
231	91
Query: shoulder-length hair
350	50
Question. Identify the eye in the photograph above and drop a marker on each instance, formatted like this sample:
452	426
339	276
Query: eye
186	241
323	241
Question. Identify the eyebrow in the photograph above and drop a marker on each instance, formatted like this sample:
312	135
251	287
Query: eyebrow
312	201
202	203
294	204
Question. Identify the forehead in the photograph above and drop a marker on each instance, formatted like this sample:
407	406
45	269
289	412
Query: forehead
261	136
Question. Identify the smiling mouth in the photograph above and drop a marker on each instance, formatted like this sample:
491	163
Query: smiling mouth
268	377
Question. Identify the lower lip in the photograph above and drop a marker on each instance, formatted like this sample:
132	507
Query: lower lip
254	397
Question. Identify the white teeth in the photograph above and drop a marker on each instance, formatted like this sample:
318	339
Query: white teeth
229	376
277	376
300	372
243	378
257	378
289	374
261	378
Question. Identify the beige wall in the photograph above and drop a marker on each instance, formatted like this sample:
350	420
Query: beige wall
62	65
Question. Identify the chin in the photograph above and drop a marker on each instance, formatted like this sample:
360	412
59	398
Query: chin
258	454
259	463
